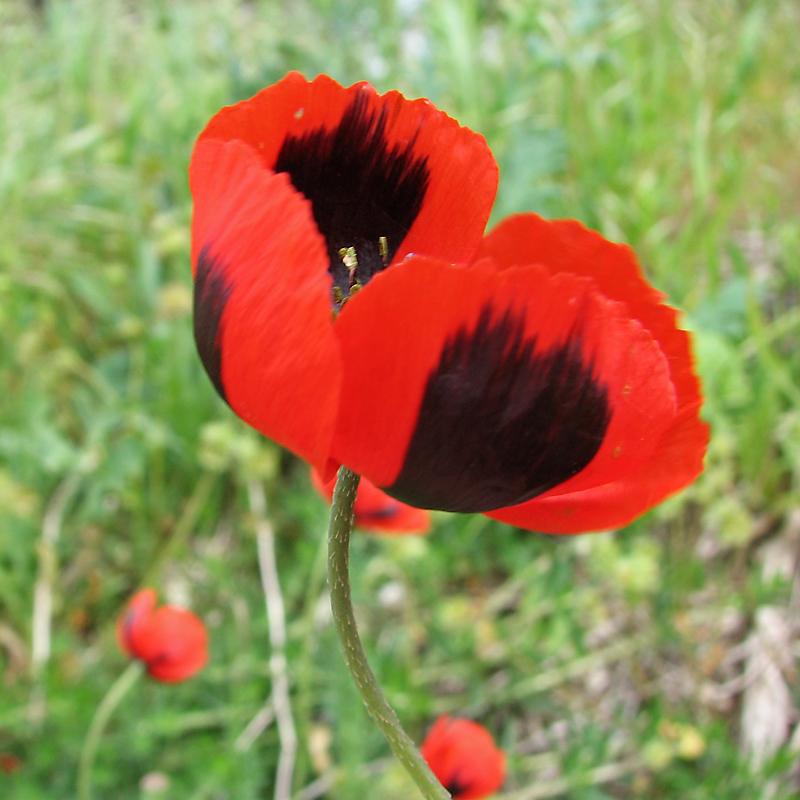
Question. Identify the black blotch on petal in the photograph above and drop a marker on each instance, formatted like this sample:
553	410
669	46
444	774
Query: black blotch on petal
360	188
456	788
500	423
386	512
211	292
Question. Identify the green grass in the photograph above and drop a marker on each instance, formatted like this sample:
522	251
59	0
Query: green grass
673	126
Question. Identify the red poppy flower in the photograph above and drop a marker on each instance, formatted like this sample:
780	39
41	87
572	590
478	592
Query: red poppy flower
347	307
464	757
172	642
10	763
375	511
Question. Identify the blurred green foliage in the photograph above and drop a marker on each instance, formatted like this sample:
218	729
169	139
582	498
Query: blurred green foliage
669	125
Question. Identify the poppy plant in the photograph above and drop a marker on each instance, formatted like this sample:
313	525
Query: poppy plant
375	511
464	757
172	642
348	306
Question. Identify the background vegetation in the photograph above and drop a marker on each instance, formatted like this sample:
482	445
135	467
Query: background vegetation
654	662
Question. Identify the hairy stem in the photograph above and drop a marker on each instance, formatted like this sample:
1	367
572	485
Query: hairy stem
341	525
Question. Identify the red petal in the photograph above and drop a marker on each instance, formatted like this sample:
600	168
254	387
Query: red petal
567	246
375	511
463	175
464	758
394	332
266	293
677	461
177	644
139	608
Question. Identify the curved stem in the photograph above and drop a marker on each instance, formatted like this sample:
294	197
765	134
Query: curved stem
341	524
104	711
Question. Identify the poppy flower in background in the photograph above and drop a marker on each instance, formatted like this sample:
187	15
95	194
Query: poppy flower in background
10	763
464	758
171	641
348	307
376	512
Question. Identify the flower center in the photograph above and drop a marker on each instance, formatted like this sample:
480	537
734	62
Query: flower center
366	191
349	280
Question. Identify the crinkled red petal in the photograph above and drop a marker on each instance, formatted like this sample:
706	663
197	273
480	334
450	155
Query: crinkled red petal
393	336
567	246
463	175
263	311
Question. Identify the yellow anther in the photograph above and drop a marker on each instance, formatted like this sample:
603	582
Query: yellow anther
349	257
383	243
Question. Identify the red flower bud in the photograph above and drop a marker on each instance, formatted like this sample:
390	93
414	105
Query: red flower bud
171	641
464	757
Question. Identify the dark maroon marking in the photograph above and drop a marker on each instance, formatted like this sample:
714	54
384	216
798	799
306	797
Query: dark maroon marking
127	623
499	423
455	787
211	292
360	188
387	512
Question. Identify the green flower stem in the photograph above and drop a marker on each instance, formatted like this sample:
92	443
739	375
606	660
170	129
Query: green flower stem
104	711
344	496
